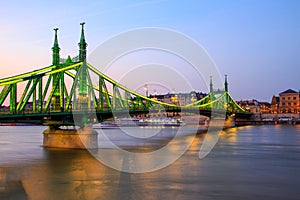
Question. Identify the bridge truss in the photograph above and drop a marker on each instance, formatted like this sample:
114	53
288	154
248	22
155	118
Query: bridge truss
63	89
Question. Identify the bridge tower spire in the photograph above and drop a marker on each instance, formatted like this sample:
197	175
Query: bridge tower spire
83	98
226	90
226	84
55	49
82	44
211	89
56	98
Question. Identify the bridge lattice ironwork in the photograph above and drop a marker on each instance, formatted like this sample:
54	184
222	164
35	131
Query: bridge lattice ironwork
68	85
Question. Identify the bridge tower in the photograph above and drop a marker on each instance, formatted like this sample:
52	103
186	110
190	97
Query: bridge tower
84	138
56	99
82	45
211	89
83	73
55	49
226	90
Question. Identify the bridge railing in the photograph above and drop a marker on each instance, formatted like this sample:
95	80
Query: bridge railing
46	91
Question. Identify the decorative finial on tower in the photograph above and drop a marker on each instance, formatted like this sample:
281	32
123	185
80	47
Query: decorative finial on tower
211	85
226	84
82	30
82	44
55	49
55	38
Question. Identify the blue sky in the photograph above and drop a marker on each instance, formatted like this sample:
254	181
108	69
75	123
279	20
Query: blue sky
256	43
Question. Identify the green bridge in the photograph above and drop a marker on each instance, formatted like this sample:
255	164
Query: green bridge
64	91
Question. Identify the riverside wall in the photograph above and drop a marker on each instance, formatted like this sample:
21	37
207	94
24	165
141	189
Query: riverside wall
270	119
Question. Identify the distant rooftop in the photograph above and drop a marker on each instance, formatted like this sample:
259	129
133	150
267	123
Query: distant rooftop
289	91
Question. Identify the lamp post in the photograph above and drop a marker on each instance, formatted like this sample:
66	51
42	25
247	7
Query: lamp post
146	90
193	99
154	95
174	99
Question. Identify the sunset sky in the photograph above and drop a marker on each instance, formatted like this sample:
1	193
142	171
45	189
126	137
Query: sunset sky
256	43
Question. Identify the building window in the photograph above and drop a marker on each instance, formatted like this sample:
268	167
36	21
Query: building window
295	98
283	104
283	98
289	98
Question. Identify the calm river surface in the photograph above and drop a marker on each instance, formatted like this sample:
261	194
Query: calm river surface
252	162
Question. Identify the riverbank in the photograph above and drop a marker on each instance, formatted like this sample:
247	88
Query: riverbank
270	119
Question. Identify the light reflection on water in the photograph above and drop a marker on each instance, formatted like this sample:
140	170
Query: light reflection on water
253	162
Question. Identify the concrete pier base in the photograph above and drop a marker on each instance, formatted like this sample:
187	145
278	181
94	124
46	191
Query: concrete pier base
229	123
85	138
221	123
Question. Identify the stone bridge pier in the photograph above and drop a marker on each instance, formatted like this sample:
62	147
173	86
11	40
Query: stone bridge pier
85	138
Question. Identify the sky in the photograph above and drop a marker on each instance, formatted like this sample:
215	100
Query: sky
256	43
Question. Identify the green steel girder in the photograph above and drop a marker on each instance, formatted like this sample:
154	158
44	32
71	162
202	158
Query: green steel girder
80	73
100	93
91	91
25	75
105	92
34	100
40	95
24	94
34	83
62	92
93	69
4	93
13	98
56	83
128	100
82	80
46	87
234	105
72	92
117	98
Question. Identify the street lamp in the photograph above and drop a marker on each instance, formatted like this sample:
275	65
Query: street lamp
154	95
193	99
174	99
146	90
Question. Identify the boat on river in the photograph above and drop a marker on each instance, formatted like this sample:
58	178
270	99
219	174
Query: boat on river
132	122
160	122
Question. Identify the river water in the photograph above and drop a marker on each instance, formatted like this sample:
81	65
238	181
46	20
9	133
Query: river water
251	162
